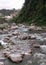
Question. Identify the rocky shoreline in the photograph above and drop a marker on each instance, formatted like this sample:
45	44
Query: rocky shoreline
16	42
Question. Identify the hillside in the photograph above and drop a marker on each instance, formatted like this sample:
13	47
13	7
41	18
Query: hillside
33	11
7	12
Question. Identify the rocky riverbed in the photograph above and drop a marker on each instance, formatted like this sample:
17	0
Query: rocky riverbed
22	45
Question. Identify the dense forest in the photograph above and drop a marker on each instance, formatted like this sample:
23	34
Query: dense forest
33	11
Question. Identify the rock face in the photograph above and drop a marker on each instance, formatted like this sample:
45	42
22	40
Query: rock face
16	57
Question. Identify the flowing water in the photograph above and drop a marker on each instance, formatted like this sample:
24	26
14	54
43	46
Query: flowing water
37	58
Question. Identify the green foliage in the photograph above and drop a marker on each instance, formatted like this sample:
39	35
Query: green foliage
33	11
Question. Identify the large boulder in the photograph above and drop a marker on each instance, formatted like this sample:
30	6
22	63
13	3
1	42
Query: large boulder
15	57
23	36
32	36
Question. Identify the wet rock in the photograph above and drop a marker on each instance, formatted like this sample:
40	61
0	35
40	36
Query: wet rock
1	63
32	36
15	58
9	35
15	33
36	45
27	53
23	36
6	39
14	27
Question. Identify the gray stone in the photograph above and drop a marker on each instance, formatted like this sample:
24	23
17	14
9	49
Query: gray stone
23	36
16	57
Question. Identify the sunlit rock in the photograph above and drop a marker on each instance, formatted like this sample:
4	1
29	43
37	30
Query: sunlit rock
3	44
32	36
16	58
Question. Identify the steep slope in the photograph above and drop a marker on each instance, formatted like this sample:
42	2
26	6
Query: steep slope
33	11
